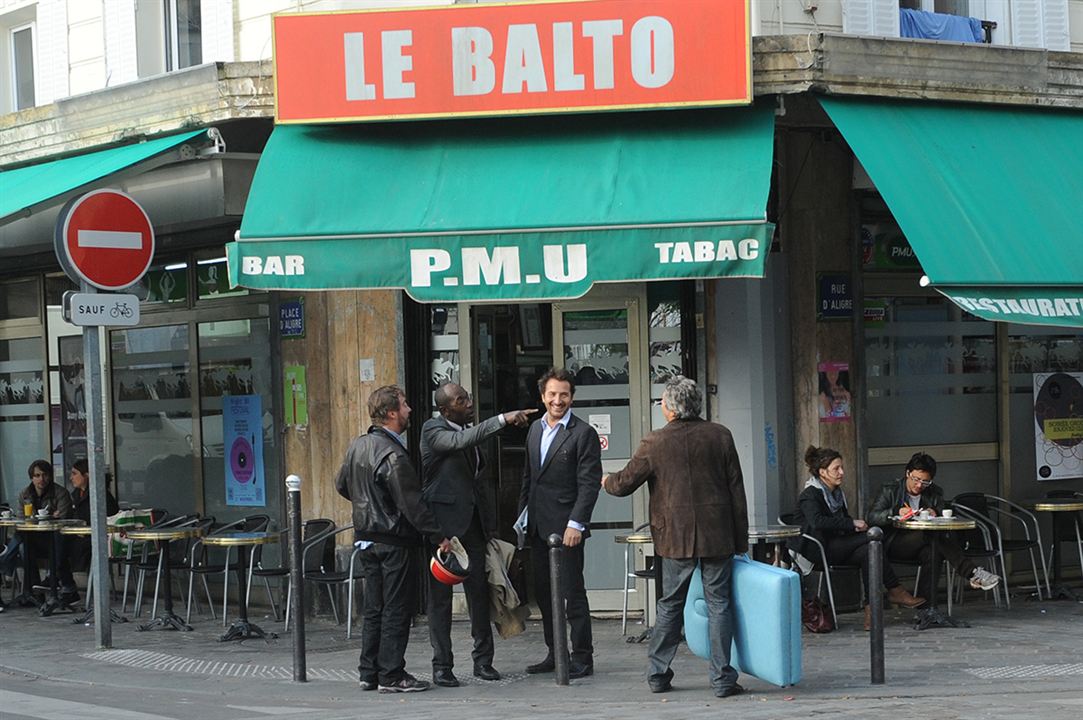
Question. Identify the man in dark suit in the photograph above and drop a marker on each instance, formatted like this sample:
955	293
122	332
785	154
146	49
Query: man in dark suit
560	487
451	465
699	515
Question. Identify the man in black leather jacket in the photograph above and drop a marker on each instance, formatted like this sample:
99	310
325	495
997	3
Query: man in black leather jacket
389	519
913	493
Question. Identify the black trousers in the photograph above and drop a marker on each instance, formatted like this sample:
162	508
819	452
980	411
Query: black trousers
575	598
390	585
476	587
854	550
914	546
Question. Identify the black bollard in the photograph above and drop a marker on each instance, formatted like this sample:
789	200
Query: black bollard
876	604
560	618
297	591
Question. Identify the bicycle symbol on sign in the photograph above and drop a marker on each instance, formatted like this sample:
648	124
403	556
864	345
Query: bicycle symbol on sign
120	310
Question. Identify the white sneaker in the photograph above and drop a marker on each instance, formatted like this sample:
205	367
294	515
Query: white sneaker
982	579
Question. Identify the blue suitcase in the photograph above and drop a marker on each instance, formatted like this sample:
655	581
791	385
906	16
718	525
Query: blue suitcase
767	628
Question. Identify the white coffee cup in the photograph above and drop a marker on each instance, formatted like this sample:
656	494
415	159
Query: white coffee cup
948	513
6	514
43	513
925	515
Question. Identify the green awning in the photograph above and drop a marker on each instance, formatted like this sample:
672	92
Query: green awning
24	189
522	208
990	199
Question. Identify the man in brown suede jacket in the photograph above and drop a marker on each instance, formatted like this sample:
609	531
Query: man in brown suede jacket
699	515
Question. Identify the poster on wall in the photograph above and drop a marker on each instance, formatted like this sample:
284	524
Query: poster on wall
72	403
242	420
834	394
1058	425
296	389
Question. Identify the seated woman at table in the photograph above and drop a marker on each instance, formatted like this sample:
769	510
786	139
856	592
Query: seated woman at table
76	554
41	493
823	513
910	494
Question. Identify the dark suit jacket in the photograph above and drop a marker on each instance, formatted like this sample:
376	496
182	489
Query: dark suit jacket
450	467
698	506
566	486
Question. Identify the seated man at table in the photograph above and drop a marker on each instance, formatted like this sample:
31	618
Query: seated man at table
76	553
41	493
914	493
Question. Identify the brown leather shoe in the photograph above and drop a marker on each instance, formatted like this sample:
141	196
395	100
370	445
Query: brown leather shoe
868	618
899	595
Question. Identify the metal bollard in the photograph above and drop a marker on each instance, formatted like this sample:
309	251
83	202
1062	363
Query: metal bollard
560	619
297	591
876	604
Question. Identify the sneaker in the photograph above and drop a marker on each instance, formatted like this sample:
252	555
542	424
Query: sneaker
367	685
406	684
982	579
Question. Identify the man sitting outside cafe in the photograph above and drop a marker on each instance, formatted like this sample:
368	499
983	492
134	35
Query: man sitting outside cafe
41	494
910	495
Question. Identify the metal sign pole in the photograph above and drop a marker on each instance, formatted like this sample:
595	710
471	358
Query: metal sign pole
95	440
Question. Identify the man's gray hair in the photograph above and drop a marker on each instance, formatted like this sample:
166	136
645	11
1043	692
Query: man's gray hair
682	396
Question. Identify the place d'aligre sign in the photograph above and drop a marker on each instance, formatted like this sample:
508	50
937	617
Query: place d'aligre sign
515	58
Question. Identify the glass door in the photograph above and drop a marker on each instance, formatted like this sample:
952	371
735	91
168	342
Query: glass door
600	342
24	435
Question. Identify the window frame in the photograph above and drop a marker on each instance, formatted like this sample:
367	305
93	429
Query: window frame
30	26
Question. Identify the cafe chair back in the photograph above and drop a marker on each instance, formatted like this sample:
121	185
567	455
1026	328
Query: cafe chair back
816	563
136	553
319	566
257	568
204	561
314	549
978	545
178	558
991	511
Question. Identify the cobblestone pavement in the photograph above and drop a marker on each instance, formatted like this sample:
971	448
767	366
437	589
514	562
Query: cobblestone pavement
1011	663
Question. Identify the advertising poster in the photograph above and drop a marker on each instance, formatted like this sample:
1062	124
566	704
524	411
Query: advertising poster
834	395
242	421
1058	425
296	395
72	404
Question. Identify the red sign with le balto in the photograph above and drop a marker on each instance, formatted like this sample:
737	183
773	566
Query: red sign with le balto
519	58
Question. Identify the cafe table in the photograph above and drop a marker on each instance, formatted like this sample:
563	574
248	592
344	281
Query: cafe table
641	538
83	530
51	526
167	620
777	534
931	616
8	523
241	629
1060	590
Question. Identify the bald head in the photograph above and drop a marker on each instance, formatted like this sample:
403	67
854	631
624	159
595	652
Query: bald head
454	403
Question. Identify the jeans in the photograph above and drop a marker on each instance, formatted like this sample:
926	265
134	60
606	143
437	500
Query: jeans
676	577
390	580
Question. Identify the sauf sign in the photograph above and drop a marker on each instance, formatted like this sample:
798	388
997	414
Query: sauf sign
528	57
519	266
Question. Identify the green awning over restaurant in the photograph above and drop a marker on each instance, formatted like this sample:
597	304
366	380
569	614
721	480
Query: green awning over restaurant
509	209
990	199
23	189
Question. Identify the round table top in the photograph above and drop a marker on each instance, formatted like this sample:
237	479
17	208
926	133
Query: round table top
165	533
639	538
936	523
10	521
241	538
1058	505
773	532
85	529
36	525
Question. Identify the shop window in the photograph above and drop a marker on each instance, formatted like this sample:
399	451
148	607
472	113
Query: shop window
164	283
152	407
23	432
240	470
664	331
930	373
19	300
445	347
212	276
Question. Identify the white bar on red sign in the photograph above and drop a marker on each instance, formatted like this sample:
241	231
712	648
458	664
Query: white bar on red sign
111	239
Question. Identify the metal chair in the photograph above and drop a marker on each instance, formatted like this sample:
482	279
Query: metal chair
311	530
982	508
203	563
823	567
175	563
632	576
316	548
976	544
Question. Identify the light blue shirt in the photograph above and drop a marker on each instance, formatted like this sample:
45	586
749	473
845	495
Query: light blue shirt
549	433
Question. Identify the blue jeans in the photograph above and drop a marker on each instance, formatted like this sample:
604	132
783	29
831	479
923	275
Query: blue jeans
676	577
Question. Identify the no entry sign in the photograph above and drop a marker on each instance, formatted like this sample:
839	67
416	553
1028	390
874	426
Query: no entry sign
104	238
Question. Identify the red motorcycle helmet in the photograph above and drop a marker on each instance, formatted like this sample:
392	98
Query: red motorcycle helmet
453	567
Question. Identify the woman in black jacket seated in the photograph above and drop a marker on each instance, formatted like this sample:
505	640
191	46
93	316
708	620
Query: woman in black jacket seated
76	555
823	514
